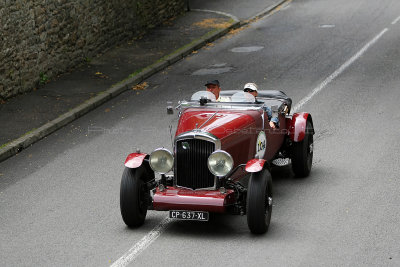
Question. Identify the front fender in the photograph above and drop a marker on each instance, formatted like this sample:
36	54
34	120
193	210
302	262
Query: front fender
255	165
297	128
135	160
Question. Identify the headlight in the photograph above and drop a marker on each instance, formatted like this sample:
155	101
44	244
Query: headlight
161	160
220	163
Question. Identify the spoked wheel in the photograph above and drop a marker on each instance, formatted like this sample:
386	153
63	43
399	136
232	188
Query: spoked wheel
134	196
303	153
259	202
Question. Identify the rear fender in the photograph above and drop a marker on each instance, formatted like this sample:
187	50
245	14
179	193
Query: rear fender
255	165
297	128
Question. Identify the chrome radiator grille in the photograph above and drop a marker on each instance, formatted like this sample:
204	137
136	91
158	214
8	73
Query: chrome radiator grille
191	163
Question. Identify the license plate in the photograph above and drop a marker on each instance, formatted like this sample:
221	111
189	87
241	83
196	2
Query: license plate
189	215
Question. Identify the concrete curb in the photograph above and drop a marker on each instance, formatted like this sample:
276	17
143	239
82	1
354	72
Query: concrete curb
28	139
268	11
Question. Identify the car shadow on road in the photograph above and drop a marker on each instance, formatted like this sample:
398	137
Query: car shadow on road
221	226
218	226
284	180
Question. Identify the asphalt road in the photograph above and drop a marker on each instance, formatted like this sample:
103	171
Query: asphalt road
59	199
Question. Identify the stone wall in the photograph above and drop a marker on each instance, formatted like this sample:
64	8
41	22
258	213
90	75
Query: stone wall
42	38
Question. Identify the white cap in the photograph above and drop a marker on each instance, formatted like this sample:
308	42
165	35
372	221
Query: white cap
251	86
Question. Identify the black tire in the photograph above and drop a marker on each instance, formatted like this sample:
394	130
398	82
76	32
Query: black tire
303	153
259	202
134	196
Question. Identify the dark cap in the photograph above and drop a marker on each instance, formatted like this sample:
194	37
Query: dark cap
215	82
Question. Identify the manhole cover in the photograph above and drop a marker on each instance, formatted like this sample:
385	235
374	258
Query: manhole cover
246	49
218	65
212	71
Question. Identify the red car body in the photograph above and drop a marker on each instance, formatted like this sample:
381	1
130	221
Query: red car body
239	131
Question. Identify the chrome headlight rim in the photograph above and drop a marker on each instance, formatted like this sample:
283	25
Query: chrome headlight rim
155	168
226	171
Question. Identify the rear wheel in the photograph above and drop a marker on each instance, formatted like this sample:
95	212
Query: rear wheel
303	153
134	196
259	202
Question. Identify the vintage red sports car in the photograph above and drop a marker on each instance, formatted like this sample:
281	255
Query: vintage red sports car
221	159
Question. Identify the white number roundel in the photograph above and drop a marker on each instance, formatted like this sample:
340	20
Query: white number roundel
261	145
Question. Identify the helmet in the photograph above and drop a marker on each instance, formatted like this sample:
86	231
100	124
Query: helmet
251	86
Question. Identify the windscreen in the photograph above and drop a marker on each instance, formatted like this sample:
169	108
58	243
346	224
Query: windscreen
243	97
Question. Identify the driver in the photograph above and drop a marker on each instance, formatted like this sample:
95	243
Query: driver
253	89
213	87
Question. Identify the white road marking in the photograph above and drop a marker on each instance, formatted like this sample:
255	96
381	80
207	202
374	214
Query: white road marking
396	20
138	248
342	68
217	12
327	26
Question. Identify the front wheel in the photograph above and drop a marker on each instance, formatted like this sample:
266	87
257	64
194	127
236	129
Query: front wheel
134	197
259	202
303	153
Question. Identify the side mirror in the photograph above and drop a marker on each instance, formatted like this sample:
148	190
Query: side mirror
170	109
203	101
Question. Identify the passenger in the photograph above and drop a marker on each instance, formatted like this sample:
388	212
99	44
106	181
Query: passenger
213	87
252	89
